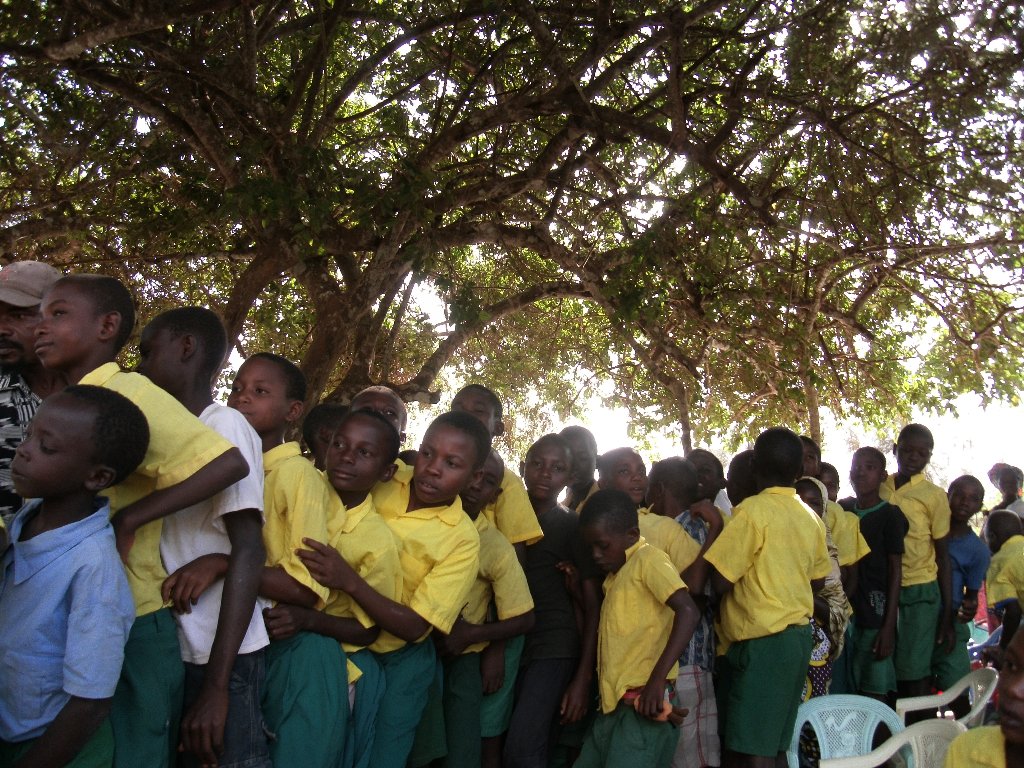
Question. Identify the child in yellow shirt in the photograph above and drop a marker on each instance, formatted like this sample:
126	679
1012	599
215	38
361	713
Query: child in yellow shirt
305	703
439	550
1004	583
647	619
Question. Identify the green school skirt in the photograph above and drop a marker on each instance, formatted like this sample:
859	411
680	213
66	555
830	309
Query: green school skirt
363	718
305	701
916	625
146	711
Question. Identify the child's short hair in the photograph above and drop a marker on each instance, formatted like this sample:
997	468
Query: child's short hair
677	475
815	448
472	426
120	434
606	461
392	440
107	294
202	323
294	378
825	467
969	480
322	416
613	508
872	452
494	400
916	430
582	432
778	456
551	438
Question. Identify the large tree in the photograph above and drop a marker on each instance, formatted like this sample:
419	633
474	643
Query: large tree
738	212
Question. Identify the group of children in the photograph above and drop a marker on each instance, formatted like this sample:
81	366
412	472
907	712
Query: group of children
363	606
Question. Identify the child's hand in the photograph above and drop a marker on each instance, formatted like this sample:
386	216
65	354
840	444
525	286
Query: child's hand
202	727
284	620
968	608
651	702
708	512
184	587
885	643
572	580
574	701
327	566
492	667
456	641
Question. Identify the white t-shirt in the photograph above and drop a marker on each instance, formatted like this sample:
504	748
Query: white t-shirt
198	530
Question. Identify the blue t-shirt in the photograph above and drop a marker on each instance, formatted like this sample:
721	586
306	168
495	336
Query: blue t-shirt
968	560
65	614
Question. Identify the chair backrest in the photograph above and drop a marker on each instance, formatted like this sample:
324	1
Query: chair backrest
927	743
844	725
980	684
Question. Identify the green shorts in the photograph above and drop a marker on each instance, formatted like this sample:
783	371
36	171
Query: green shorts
496	710
760	684
363	718
408	673
947	668
624	739
146	710
98	751
869	675
915	630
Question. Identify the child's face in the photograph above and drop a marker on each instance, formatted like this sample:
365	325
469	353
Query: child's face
444	465
386	403
709	478
485	488
546	472
811	461
1008	485
608	547
50	462
479	405
628	474
830	480
159	357
811	496
584	460
260	393
1010	691
356	459
965	500
913	454
69	328
867	474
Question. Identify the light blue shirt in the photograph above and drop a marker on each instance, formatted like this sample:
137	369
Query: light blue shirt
65	614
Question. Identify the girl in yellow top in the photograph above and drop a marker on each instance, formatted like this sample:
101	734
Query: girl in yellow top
305	703
439	551
647	619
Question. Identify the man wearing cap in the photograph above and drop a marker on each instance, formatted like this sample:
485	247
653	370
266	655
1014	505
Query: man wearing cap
23	380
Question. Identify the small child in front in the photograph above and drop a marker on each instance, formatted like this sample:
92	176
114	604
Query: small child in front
925	618
305	701
440	557
647	619
65	605
1004	584
765	561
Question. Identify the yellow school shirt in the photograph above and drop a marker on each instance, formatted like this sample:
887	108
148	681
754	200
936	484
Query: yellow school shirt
982	747
439	550
296	502
1005	578
594	488
513	513
926	508
500	577
366	543
845	529
635	622
772	549
670	537
179	446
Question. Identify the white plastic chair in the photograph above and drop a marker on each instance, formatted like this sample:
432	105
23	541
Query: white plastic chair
927	743
844	725
980	685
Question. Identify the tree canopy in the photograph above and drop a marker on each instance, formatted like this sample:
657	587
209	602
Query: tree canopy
736	211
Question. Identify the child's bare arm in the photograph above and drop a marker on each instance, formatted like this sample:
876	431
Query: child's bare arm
492	666
885	642
64	738
465	634
278	585
574	701
945	635
285	620
202	726
696	575
225	470
683	624
330	569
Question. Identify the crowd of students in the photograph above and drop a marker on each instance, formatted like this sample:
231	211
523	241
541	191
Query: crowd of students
361	605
